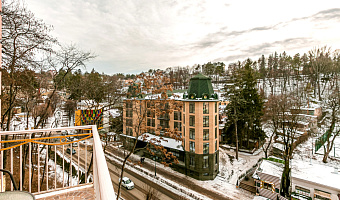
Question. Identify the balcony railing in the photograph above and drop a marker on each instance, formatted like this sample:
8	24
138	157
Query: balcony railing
47	160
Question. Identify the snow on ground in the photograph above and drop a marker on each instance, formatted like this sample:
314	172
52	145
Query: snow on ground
58	170
225	182
335	152
19	121
231	169
305	152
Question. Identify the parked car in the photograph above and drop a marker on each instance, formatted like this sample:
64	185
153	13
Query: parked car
75	144
127	183
68	150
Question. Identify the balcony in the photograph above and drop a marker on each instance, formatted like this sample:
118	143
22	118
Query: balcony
56	163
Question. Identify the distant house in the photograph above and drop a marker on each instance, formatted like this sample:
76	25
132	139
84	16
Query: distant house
88	114
309	181
310	109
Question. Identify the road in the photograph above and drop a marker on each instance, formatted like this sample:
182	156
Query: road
142	185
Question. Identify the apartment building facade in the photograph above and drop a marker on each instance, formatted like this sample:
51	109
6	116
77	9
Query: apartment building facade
197	123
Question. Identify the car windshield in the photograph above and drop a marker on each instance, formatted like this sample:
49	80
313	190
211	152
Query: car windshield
128	181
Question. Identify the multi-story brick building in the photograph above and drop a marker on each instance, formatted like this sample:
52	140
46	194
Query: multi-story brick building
197	122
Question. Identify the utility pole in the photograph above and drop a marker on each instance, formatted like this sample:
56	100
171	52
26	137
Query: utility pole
155	164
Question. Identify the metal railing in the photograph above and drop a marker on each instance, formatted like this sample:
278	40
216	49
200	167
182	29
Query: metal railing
47	160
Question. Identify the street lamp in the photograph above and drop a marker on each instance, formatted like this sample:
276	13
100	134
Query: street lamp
155	164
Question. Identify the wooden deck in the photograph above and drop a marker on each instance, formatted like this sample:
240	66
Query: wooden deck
78	193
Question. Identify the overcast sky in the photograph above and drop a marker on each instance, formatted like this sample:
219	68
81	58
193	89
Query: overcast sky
130	36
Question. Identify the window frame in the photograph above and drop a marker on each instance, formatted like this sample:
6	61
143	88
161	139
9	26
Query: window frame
206	148
205	108
191	133
205	162
205	121
192	120
192	107
191	146
192	161
205	134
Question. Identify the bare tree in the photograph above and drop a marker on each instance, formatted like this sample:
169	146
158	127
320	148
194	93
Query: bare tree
151	194
333	103
320	63
286	123
23	36
271	117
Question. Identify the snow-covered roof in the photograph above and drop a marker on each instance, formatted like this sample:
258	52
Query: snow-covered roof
312	172
278	146
317	173
114	113
260	198
271	168
165	142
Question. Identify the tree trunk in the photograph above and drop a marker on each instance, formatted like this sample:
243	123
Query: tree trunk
236	137
285	179
326	153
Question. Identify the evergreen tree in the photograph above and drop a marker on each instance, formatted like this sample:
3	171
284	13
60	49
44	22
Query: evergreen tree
245	108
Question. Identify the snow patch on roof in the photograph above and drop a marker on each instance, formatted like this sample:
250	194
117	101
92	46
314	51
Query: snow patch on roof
165	142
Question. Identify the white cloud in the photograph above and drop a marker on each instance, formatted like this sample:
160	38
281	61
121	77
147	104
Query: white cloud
130	36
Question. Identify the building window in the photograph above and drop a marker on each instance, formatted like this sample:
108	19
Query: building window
128	113
205	121
148	122
192	161
164	124
128	131
128	122
192	133
205	108
178	125
205	134
205	147
191	120
191	107
177	115
215	145
215	120
215	107
215	133
192	146
129	104
216	158
321	195
267	185
183	118
303	191
183	132
183	107
205	161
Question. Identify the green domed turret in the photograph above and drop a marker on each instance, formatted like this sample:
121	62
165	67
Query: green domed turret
200	87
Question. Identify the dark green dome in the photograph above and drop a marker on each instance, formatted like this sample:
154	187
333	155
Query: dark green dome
200	86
